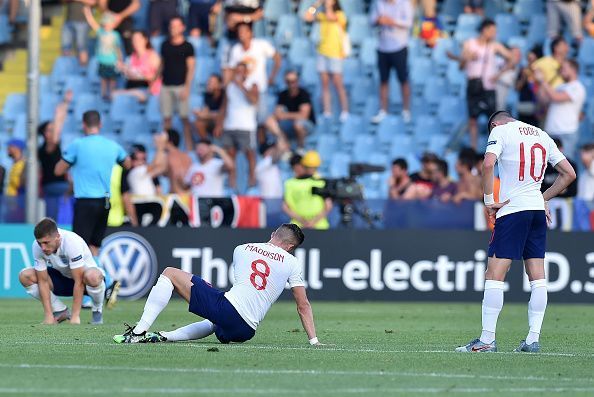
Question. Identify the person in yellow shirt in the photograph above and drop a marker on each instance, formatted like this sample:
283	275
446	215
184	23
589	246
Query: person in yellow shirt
331	51
550	66
16	175
306	209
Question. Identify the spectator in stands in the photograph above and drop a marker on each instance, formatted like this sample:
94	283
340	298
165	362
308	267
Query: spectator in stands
526	87
178	163
331	52
177	56
306	209
237	121
268	173
296	166
478	59
142	179
123	10
469	183
394	19
399	183
75	30
586	184
236	12
293	115
428	165
566	102
431	28
206	178
199	16
444	189
550	66
551	174
161	12
206	117
570	11
255	53
506	77
108	51
141	69
589	19
17	174
474	7
49	154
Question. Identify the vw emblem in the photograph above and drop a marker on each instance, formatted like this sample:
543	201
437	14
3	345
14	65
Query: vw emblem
129	258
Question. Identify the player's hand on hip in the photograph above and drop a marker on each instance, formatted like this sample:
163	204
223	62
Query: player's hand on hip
497	206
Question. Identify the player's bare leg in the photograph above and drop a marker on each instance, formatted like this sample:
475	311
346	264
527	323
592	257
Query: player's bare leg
536	306
28	279
171	279
492	304
95	287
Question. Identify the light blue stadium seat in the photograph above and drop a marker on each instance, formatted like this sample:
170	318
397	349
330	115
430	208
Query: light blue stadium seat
359	29
205	66
84	102
287	30
153	113
437	144
456	80
68	136
450	11
390	127
63	68
359	92
414	163
47	107
339	165
77	84
327	144
586	55
108	126
349	130
352	7
314	33
521	43
420	69
19	130
433	91
300	50
362	147
494	7
452	158
439	53
401	145
122	107
424	128
93	74
14	105
156	42
196	102
368	54
133	128
394	94
273	10
451	112
537	32
351	71
507	27
467	26
526	9
5	33
201	46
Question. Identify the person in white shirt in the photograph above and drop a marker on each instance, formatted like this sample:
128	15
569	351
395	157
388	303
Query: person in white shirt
64	266
206	178
585	189
237	122
261	271
522	152
566	103
268	173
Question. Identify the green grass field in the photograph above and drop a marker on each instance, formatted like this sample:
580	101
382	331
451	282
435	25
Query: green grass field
379	350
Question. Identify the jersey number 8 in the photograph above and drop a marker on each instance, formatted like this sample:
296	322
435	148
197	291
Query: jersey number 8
259	275
533	149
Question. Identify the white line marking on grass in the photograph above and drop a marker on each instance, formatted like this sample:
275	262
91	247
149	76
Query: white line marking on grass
314	372
230	391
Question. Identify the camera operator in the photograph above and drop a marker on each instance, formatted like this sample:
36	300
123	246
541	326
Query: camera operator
306	209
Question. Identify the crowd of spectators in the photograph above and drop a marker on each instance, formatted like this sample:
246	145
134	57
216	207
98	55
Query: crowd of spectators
235	114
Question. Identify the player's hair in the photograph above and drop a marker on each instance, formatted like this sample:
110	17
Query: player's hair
400	162
91	118
295	160
555	42
573	63
442	166
173	137
290	233
485	24
204	141
588	147
537	51
45	227
497	116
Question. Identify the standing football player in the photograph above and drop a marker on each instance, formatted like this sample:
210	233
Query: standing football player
522	152
261	272
64	266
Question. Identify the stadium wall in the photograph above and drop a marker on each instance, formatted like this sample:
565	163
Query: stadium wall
355	265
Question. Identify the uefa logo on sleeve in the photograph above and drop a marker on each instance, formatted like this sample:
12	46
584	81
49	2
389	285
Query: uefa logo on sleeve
129	258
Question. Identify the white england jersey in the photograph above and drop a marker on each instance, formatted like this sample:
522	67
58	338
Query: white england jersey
72	254
261	272
523	152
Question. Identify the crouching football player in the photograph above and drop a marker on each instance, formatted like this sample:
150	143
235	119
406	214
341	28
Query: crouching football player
261	272
64	266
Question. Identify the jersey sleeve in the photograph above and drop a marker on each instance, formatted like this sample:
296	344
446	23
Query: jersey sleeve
70	153
121	154
555	155
296	278
495	143
75	251
39	261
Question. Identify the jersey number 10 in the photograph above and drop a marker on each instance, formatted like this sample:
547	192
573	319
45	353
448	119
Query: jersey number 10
258	275
533	149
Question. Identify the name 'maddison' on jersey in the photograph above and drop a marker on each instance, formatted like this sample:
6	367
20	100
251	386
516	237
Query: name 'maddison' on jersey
261	272
523	152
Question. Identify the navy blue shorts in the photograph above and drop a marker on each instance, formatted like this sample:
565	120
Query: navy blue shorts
63	286
519	235
211	304
398	61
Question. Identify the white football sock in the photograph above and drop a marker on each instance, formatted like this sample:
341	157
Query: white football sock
57	304
536	309
97	294
155	303
192	331
492	305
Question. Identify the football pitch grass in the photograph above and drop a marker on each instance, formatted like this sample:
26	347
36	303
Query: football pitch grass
379	349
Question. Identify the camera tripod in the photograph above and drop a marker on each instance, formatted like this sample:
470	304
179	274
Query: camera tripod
349	208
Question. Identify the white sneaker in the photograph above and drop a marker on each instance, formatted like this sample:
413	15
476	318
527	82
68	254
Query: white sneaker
406	116
343	116
379	117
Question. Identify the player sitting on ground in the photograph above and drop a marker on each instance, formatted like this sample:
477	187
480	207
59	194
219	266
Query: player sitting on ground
261	272
64	266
